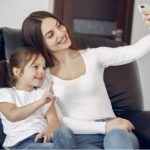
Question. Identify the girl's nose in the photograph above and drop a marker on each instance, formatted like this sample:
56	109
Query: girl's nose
42	71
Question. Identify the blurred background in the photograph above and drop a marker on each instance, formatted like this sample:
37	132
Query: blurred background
119	20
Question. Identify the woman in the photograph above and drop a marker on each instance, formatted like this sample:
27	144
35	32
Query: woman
78	81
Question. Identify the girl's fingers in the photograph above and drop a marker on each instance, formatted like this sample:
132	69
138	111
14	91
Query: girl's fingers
52	97
48	137
52	135
45	138
39	136
50	87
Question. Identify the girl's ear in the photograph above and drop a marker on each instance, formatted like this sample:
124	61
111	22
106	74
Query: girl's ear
17	72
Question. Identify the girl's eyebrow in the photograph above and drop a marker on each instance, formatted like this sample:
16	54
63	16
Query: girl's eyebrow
51	30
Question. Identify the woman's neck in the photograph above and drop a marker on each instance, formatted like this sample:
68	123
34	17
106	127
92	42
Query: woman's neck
65	56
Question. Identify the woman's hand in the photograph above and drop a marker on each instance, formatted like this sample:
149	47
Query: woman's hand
119	123
146	16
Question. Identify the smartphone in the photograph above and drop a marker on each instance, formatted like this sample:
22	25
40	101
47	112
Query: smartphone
144	7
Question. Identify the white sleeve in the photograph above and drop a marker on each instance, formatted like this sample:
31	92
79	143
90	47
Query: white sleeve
79	126
83	126
6	95
106	56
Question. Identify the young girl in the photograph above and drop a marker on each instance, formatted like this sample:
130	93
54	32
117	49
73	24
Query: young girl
28	118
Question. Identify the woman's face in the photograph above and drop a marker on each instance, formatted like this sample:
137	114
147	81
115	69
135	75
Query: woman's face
55	35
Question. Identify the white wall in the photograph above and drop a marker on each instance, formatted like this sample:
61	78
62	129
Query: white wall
138	31
13	12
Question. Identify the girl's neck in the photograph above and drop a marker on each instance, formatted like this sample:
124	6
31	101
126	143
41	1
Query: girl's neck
24	88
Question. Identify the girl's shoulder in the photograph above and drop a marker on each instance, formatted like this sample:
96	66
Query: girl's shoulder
6	90
7	95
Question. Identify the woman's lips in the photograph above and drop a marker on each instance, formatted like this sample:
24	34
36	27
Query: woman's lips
63	40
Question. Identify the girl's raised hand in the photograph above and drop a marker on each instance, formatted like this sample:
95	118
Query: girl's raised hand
48	95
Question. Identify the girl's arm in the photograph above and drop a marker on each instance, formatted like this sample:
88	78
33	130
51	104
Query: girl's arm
52	118
14	113
53	124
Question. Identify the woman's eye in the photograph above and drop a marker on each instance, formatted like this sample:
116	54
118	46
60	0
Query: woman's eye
50	35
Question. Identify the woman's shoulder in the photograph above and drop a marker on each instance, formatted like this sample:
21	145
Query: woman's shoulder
89	53
89	50
86	50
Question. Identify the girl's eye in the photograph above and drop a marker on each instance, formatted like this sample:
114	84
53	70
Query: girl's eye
36	67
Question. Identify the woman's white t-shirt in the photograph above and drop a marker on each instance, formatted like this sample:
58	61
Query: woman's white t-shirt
84	100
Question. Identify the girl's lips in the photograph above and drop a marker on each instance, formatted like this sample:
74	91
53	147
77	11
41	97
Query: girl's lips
39	78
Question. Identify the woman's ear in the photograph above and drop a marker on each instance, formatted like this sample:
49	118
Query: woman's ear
17	72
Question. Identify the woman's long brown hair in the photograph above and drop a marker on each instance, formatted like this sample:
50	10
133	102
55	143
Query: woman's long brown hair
32	34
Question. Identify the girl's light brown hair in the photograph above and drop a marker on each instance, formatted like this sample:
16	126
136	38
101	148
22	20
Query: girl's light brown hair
19	59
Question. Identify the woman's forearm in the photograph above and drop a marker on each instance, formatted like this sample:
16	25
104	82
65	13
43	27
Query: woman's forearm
122	55
84	126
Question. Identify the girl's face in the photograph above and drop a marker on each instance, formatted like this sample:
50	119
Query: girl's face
33	74
55	35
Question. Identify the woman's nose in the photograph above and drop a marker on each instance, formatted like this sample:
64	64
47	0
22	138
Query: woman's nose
59	33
